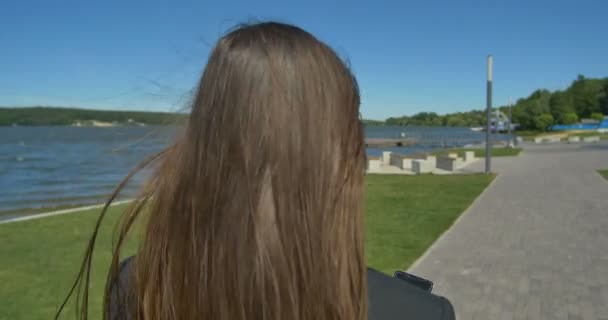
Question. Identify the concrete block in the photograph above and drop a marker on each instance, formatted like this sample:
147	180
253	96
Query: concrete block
469	156
386	157
406	163
574	139
553	139
538	140
374	164
394	159
421	166
446	163
591	139
400	161
431	160
453	155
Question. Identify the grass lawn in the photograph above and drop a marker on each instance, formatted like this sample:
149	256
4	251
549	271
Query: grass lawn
604	173
481	152
530	135
40	258
603	136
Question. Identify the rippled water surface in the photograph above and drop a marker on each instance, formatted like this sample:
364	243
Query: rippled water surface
59	166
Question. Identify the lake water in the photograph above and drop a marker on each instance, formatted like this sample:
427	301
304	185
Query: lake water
44	167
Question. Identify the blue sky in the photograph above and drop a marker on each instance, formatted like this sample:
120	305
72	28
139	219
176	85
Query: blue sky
408	56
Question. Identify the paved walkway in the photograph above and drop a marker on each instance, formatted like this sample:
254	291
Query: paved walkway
534	245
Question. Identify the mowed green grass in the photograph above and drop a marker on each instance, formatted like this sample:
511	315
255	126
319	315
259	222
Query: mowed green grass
481	152
603	136
530	135
406	214
40	258
604	173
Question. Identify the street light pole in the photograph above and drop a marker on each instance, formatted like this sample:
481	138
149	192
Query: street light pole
489	116
511	140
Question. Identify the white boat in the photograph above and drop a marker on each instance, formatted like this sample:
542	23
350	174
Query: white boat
477	129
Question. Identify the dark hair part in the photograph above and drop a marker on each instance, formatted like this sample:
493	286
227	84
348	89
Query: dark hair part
255	212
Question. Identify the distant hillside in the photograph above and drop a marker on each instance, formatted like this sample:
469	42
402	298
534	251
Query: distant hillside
584	98
50	116
373	122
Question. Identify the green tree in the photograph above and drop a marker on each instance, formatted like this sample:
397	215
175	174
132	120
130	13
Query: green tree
544	121
570	118
40	116
456	121
392	121
561	105
527	110
586	94
604	98
597	116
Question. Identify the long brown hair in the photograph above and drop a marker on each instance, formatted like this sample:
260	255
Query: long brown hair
255	212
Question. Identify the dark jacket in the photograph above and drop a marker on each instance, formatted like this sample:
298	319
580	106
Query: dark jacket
389	299
394	299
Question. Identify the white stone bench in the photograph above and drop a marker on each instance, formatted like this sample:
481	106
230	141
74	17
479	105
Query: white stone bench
592	139
469	156
400	161
373	164
552	139
421	166
386	157
431	160
574	139
449	163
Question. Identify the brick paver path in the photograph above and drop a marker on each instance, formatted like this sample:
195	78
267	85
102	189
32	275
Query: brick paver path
534	245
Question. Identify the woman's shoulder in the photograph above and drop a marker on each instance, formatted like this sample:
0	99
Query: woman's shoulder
391	298
120	298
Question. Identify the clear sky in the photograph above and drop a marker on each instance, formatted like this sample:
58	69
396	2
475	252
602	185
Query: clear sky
408	56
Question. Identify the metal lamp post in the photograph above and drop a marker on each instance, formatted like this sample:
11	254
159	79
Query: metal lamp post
489	116
511	140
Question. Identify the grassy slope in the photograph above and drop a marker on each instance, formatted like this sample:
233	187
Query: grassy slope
40	258
604	173
480	152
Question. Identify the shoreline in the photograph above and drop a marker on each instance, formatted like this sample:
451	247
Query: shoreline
32	216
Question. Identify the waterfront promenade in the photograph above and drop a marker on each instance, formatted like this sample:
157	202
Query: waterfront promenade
534	245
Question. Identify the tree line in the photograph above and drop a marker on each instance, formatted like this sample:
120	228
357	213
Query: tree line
51	116
584	98
473	118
